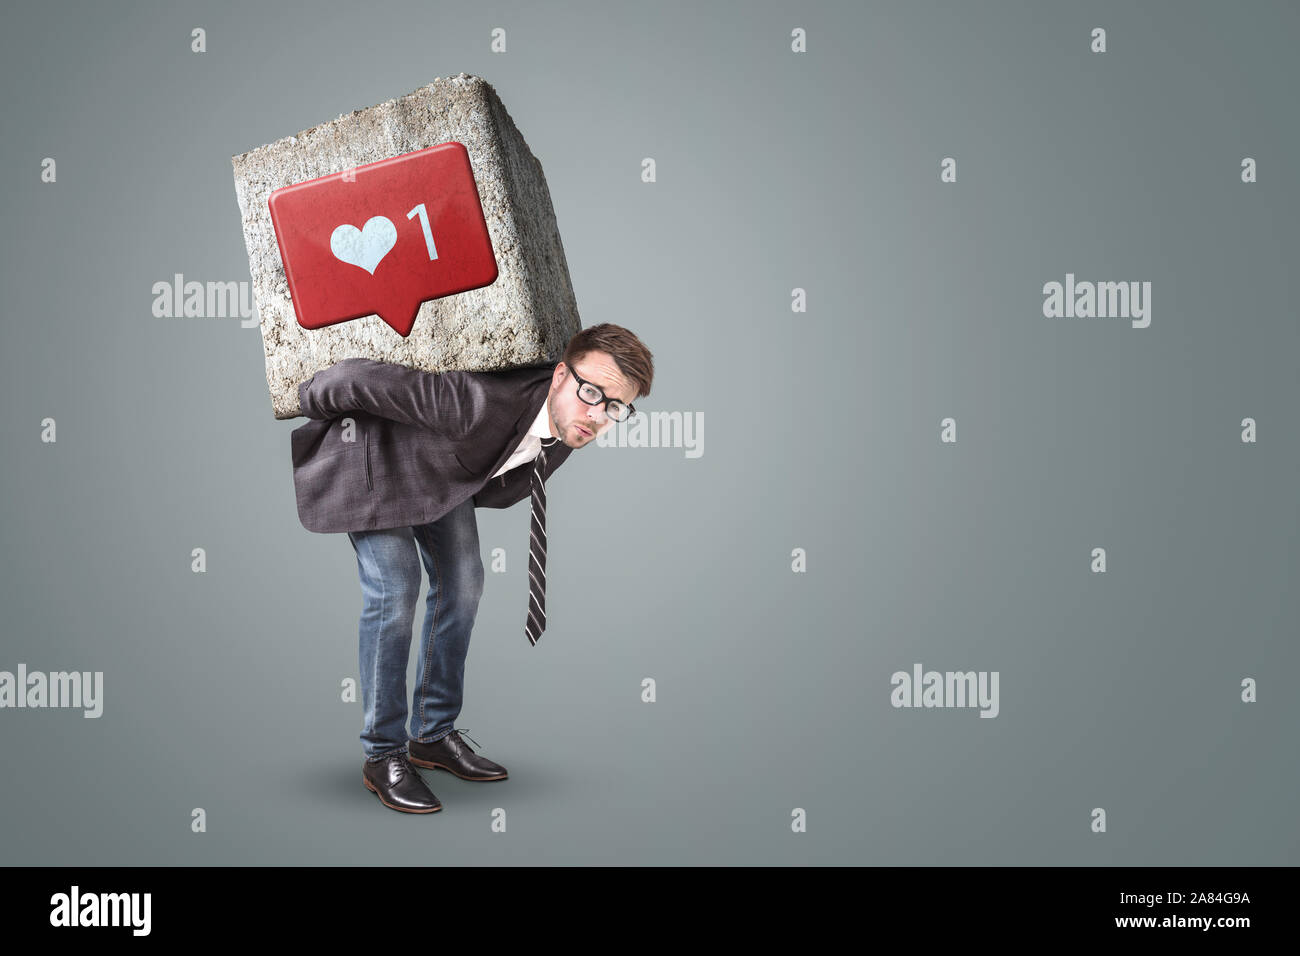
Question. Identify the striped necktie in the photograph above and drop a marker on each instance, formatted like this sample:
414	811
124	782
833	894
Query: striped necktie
536	621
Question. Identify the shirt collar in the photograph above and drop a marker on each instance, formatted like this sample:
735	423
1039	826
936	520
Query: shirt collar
541	428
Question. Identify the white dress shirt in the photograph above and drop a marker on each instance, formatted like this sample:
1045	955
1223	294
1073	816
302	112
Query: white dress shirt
532	443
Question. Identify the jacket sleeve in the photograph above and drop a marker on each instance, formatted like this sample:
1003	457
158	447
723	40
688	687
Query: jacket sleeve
441	401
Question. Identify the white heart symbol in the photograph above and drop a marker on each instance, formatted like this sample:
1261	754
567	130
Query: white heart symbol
365	247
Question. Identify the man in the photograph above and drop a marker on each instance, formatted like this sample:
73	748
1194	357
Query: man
399	459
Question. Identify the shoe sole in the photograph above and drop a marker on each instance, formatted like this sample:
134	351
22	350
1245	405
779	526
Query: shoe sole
371	787
430	765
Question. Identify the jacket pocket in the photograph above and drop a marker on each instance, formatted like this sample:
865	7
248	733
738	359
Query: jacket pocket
472	472
370	483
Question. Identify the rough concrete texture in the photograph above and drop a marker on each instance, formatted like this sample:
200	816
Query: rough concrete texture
527	315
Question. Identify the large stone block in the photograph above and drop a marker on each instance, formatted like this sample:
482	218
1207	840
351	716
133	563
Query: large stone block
526	316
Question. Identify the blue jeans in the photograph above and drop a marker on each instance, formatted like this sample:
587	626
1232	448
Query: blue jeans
389	567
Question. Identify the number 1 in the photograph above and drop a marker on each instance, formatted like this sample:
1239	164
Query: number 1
428	233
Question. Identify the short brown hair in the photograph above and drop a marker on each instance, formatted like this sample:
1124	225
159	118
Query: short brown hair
629	353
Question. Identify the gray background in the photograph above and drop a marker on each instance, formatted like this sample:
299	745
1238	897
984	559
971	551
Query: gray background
775	170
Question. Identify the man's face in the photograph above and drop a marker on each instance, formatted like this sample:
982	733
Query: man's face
573	421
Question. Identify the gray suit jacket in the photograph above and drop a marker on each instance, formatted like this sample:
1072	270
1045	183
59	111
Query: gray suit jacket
423	442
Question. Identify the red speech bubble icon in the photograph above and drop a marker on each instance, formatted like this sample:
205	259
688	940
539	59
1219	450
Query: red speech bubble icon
383	237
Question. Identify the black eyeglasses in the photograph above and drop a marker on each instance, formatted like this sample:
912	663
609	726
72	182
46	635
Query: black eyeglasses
594	395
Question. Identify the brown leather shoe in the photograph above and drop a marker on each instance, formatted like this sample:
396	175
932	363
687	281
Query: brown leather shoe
399	785
454	755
